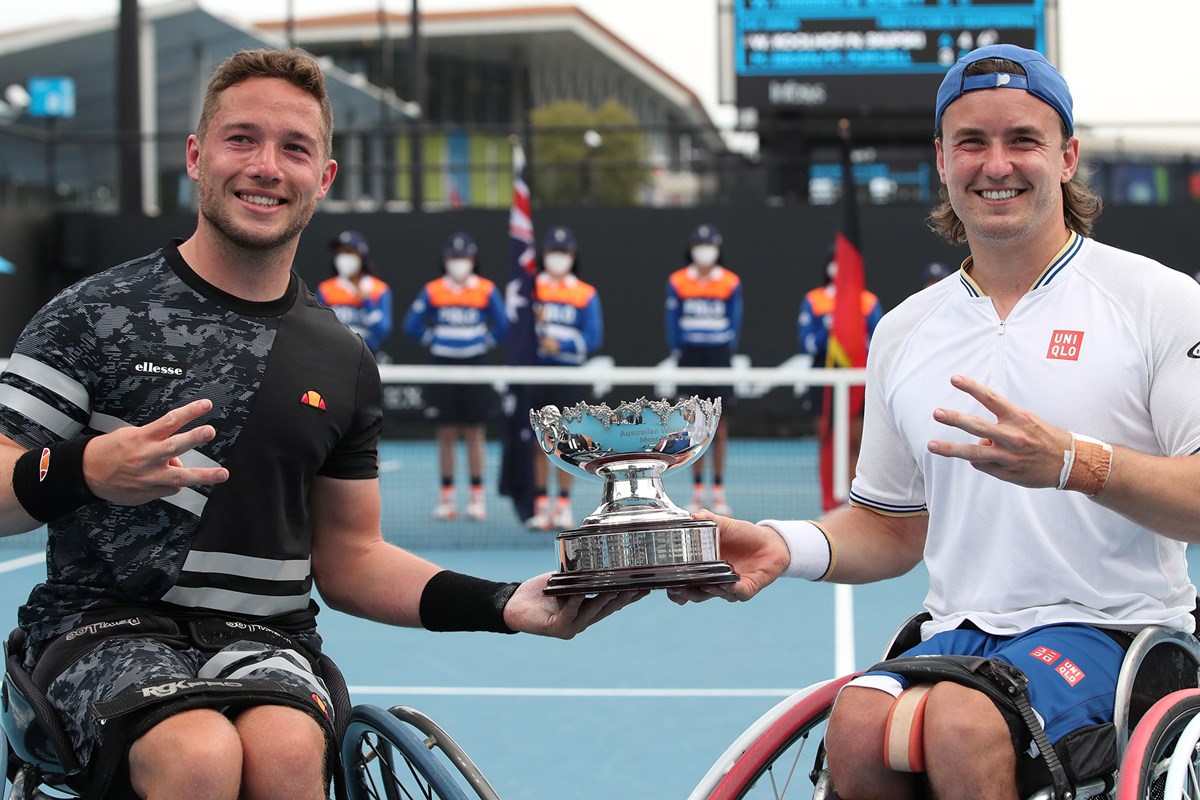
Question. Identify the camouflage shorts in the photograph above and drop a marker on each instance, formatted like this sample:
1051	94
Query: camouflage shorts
117	664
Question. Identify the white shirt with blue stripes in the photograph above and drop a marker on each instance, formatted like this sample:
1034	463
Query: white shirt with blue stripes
1106	343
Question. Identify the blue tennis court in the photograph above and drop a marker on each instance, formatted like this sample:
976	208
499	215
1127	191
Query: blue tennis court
637	707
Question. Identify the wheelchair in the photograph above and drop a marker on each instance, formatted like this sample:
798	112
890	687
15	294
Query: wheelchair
1156	719
383	754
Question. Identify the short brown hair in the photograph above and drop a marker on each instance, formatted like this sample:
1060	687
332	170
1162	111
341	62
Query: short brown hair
296	66
1081	206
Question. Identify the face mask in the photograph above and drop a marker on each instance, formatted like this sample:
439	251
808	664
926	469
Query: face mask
704	255
459	269
558	263
347	264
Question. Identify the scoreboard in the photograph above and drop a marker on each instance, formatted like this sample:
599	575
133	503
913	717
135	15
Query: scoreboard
840	57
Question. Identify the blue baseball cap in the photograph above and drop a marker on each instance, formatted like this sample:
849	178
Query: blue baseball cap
706	234
1041	80
460	245
560	238
352	240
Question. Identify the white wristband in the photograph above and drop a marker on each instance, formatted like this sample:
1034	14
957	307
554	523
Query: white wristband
812	553
1068	462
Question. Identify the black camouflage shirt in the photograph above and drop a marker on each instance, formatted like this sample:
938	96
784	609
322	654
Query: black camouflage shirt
295	395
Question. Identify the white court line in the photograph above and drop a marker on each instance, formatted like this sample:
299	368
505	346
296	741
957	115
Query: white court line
22	562
497	691
527	691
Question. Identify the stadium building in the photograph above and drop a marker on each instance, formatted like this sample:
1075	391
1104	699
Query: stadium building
483	73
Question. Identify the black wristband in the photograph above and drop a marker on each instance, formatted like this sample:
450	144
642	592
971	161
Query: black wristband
49	483
452	601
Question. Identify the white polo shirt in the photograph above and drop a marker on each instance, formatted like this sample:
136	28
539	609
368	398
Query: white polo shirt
1107	344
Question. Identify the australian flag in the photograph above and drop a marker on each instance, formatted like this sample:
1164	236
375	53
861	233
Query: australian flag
516	468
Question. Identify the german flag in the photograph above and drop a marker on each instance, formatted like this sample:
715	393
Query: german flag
848	330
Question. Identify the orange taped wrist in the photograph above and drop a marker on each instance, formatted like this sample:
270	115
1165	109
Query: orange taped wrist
1087	465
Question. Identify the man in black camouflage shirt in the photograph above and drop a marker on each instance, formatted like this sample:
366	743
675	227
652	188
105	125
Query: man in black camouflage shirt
200	436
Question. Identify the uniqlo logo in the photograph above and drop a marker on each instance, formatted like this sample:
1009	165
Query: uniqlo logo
1071	673
1065	345
1045	655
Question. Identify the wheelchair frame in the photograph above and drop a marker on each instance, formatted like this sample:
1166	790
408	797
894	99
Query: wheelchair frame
1157	746
385	752
391	754
381	759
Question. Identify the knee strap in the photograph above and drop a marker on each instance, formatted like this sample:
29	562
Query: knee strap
138	708
1005	684
904	735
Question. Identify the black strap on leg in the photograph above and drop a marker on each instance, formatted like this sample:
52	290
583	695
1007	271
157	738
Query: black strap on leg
138	708
1006	685
1014	683
134	711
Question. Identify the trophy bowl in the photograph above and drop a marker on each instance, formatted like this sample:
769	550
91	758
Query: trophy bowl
637	538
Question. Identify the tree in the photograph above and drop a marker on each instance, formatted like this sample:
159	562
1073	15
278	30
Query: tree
587	157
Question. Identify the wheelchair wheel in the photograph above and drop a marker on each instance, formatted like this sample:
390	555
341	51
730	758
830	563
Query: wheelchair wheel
782	755
383	759
1163	754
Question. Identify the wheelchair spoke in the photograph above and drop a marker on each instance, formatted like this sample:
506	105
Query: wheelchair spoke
780	792
383	772
1191	782
762	764
384	760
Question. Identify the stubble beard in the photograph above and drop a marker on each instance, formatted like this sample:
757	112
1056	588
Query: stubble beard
998	230
223	222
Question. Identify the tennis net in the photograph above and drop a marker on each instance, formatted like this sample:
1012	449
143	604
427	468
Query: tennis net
771	468
771	465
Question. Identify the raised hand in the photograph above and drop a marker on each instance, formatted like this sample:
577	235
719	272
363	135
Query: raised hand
134	465
1017	447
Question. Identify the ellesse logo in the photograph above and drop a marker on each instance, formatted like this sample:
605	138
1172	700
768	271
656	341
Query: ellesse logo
313	399
150	368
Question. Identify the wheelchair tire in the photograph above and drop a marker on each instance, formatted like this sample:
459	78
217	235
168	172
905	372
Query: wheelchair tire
768	765
1161	739
384	760
436	736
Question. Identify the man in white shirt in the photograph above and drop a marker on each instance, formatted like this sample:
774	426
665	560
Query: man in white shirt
1030	433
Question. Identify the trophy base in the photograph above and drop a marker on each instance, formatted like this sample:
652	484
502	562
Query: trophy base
620	580
616	557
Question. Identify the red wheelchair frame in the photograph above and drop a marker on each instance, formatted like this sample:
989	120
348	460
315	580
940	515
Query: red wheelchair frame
1157	699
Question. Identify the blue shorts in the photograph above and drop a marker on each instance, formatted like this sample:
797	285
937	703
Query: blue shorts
1072	670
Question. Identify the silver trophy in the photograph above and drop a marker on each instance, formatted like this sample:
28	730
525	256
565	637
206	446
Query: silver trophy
637	538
